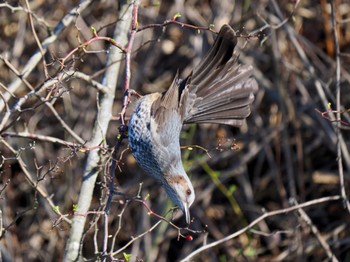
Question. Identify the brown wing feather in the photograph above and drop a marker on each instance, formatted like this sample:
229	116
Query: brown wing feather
166	103
221	90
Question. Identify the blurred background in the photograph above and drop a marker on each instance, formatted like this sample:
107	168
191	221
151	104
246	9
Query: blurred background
285	154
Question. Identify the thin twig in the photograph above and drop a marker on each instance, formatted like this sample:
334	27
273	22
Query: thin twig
68	19
317	233
338	115
256	221
31	180
42	51
174	21
43	138
93	162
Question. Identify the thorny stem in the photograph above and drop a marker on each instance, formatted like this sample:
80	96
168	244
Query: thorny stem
152	213
122	128
174	21
199	28
127	62
329	111
85	44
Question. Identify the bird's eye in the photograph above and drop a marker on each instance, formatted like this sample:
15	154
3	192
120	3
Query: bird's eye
188	192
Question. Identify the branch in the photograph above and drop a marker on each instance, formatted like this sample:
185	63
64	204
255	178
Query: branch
35	59
338	115
174	21
259	219
100	128
31	180
318	235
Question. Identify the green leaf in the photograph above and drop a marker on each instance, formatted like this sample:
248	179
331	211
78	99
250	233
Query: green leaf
56	209
232	188
177	15
127	256
75	207
94	31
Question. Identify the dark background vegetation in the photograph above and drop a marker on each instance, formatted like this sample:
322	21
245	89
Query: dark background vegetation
286	153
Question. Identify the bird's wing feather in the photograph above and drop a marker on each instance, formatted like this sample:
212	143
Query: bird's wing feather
166	119
219	89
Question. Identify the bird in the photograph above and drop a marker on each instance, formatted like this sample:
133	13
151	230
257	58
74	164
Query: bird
218	90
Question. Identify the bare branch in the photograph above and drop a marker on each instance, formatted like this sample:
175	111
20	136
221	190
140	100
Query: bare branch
261	218
338	115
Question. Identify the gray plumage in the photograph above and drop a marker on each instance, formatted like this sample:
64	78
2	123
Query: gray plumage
218	90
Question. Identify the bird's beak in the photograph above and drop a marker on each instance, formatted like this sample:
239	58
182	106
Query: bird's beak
187	213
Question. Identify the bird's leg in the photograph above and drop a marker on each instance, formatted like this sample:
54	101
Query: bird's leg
132	92
126	101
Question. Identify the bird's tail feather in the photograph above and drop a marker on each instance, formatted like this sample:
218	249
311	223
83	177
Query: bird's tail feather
224	90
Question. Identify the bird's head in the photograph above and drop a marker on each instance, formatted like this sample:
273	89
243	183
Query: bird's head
180	190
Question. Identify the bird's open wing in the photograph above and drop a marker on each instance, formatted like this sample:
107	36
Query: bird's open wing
219	89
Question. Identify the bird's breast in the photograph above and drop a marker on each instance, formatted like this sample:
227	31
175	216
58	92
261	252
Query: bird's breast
140	138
